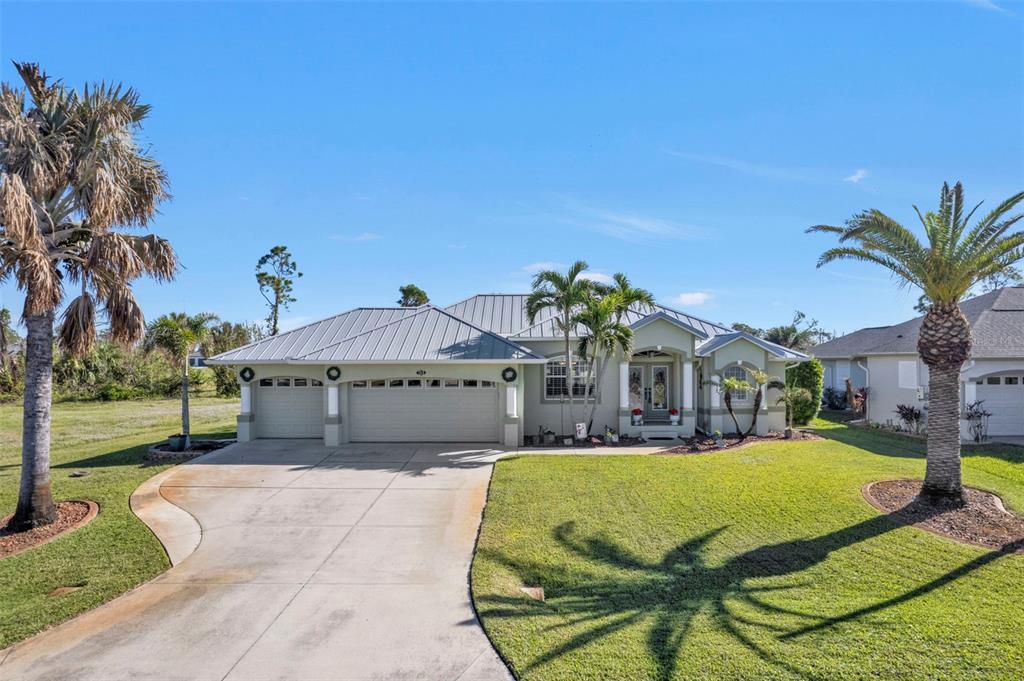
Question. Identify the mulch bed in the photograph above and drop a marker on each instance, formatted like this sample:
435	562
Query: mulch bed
981	521
701	444
161	453
70	515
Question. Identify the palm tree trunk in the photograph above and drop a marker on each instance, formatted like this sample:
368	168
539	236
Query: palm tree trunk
728	406
569	376
942	471
753	418
35	498
184	406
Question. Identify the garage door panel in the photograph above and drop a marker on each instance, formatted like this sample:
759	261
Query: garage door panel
290	412
1006	403
423	415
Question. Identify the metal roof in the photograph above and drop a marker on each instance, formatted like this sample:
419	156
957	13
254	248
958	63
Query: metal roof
724	339
997	327
505	314
424	333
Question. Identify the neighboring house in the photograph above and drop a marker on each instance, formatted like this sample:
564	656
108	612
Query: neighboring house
884	359
196	359
478	371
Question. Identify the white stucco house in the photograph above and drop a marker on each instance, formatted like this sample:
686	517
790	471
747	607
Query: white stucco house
479	371
884	359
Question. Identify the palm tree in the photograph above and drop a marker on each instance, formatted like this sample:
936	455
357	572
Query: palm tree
759	381
728	387
792	396
627	295
954	259
177	334
604	336
71	174
565	293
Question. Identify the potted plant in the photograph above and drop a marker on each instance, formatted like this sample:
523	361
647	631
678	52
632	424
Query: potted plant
717	436
176	443
673	416
638	417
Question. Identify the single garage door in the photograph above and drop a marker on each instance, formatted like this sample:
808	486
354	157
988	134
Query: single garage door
1004	398
290	407
423	410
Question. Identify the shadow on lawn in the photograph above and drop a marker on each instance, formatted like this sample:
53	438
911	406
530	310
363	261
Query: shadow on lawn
671	593
131	456
893	444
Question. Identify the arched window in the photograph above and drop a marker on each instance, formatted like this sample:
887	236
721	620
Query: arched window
741	374
555	378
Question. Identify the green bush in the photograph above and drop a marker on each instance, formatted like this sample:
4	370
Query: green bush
115	392
811	376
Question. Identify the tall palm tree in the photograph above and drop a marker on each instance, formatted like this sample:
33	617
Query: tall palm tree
604	336
565	293
627	295
954	259
177	334
71	174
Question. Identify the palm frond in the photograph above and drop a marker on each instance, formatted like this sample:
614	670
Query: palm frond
78	328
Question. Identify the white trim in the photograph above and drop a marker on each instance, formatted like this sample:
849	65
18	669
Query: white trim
687	385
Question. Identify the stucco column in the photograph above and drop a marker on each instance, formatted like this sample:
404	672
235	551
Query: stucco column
687	384
512	436
970	391
624	384
511	401
332	422
246	420
716	393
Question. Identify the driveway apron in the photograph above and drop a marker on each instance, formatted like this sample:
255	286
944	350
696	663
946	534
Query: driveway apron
315	563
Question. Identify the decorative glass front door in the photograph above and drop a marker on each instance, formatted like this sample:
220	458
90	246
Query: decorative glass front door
636	387
659	388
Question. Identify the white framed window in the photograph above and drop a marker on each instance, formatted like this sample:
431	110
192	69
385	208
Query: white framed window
317	384
451	383
555	379
358	384
284	382
992	380
433	382
414	383
395	383
907	375
1011	380
300	383
486	384
378	383
469	383
266	382
741	374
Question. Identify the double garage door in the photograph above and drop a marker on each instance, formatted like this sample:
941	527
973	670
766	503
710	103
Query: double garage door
1004	398
392	410
423	410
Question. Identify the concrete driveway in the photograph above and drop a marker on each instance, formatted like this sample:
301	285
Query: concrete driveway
314	563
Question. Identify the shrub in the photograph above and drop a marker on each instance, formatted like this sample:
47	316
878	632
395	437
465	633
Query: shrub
834	399
115	392
910	416
810	376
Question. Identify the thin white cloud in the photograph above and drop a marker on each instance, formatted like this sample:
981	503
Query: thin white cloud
357	238
858	175
535	267
745	167
627	226
598	277
693	298
987	4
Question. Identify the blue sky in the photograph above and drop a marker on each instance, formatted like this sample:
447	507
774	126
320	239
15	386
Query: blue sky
460	147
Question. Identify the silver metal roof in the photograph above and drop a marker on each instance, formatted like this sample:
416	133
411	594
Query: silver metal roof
506	314
724	339
424	333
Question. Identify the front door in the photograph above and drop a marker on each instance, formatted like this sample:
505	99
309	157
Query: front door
637	394
657	403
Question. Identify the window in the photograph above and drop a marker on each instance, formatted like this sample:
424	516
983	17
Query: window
284	382
469	383
486	384
379	383
555	379
451	383
1011	380
992	380
317	384
907	375
433	382
741	374
396	383
300	383
358	384
414	383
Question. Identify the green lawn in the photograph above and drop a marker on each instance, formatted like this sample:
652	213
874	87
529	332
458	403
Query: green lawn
763	563
115	552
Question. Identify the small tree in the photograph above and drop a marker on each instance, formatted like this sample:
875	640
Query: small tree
276	273
728	387
809	375
761	381
8	362
412	296
793	397
910	416
223	337
603	337
176	334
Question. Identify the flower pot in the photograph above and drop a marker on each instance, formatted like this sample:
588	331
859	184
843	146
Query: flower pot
638	420
674	419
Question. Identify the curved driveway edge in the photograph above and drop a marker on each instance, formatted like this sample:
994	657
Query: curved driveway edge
175	528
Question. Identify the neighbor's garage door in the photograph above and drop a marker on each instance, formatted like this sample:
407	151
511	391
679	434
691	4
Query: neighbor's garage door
1004	397
423	410
290	407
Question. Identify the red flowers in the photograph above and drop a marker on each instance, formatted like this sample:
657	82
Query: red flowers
638	411
673	411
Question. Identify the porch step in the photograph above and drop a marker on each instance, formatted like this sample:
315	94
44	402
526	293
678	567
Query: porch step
660	432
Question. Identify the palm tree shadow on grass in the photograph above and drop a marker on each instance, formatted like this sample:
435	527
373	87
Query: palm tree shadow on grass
671	593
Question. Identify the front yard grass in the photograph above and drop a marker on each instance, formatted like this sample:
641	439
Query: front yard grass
116	551
762	563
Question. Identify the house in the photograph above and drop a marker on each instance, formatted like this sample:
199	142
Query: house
480	371
884	359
